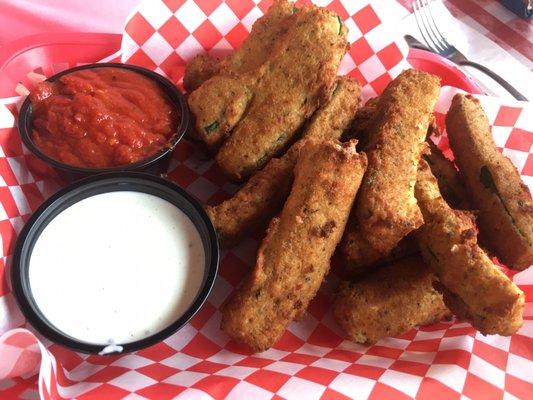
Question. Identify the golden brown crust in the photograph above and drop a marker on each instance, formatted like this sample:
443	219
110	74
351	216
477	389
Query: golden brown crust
294	257
262	40
451	188
296	80
218	105
475	289
255	50
493	183
263	195
256	202
386	209
220	102
198	70
358	255
389	302
331	120
444	170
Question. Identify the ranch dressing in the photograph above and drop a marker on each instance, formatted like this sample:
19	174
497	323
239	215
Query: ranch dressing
116	267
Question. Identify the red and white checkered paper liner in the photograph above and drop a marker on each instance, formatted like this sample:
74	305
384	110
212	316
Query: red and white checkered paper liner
312	360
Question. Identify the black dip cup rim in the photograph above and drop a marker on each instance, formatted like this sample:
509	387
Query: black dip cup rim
25	124
91	186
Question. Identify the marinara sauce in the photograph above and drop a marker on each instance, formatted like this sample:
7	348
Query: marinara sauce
102	117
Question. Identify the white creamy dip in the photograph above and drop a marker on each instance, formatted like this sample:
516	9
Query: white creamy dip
116	267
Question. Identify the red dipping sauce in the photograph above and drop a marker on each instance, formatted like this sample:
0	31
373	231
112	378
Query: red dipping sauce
102	117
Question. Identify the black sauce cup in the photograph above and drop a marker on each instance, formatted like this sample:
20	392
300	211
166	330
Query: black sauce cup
156	163
94	185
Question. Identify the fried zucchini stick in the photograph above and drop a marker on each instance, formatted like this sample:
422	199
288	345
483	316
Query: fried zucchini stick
265	192
474	288
221	101
493	183
389	302
386	209
331	120
261	197
444	170
295	255
298	78
219	104
255	50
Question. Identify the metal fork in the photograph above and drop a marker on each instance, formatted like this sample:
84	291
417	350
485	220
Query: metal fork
437	42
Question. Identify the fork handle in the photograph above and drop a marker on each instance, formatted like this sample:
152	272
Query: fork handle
506	85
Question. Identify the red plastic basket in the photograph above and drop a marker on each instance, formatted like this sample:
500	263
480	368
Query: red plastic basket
50	52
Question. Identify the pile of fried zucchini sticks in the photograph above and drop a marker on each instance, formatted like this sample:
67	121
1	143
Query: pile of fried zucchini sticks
367	184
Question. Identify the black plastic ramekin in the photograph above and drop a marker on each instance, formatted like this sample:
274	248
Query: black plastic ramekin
94	185
154	164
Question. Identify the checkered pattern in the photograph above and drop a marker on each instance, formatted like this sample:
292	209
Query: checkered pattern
312	360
